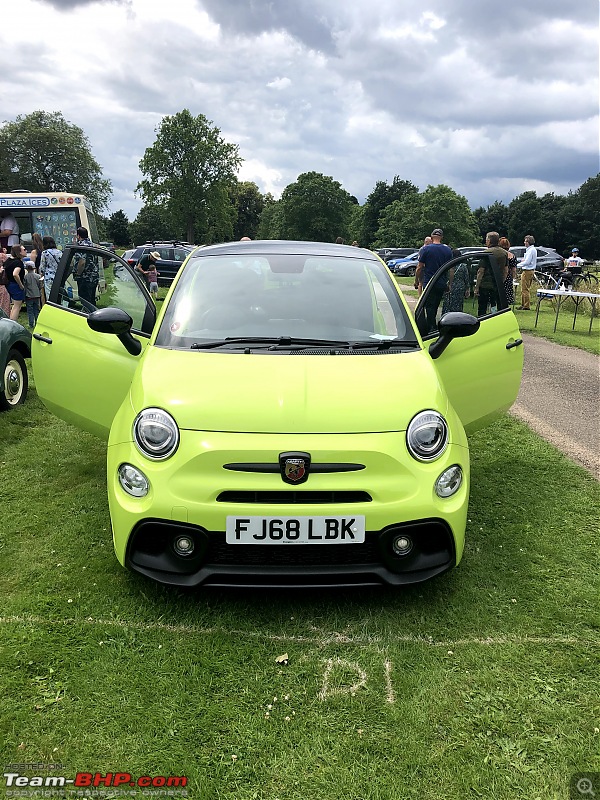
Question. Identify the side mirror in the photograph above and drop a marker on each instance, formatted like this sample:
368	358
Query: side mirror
453	325
117	322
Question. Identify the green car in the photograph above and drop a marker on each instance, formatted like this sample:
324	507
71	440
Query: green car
15	347
282	419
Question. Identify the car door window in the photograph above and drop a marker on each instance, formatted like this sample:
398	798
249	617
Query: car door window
113	284
179	254
473	284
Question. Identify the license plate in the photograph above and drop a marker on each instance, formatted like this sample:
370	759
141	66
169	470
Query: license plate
295	530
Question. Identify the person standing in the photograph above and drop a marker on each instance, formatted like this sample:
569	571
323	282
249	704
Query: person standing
431	258
9	230
485	284
32	282
148	262
152	277
527	269
509	287
14	269
86	272
4	295
49	263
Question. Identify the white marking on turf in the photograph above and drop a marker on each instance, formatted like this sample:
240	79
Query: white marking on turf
326	638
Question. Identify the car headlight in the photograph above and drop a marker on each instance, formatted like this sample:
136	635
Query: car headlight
155	433
427	436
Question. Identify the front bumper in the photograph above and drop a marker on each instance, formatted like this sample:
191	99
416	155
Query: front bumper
192	494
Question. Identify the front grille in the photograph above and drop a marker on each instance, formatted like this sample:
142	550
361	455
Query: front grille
293	497
305	555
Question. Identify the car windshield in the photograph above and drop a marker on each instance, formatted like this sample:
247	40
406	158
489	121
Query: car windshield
333	299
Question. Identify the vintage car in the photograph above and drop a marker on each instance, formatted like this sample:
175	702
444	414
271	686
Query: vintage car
283	419
15	347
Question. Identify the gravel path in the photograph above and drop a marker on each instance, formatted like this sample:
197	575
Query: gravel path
560	399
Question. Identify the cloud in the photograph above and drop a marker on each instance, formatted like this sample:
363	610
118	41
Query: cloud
489	98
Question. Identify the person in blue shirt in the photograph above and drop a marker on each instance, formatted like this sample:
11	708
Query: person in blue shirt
431	258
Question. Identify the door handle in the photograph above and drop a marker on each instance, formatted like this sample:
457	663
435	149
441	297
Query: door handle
516	343
41	338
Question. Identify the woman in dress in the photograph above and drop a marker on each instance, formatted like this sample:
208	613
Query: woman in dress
49	262
509	288
459	288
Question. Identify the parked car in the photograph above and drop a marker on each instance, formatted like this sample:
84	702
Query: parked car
283	419
386	253
108	246
548	260
404	266
172	256
15	347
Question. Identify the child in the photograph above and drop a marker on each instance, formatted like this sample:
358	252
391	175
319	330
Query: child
32	282
152	277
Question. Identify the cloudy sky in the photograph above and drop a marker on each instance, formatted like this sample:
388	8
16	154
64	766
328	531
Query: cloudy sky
492	98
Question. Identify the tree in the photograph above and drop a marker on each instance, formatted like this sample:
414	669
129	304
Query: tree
492	218
410	220
118	229
270	223
579	219
248	203
382	196
152	225
314	208
185	171
43	152
526	216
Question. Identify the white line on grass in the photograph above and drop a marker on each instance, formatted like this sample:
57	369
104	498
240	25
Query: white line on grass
323	640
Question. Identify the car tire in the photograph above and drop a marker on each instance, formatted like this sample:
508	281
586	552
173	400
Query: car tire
16	381
411	271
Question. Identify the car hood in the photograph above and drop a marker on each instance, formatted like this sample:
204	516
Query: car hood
278	393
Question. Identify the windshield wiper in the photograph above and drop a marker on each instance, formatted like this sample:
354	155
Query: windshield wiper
272	341
383	344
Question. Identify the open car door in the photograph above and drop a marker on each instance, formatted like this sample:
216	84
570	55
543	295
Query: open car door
481	373
83	376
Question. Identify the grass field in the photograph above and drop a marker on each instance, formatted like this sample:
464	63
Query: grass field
483	683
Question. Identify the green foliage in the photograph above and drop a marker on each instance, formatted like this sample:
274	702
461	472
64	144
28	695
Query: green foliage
408	221
270	225
152	224
526	216
43	152
492	218
579	219
186	170
315	208
118	229
382	196
248	203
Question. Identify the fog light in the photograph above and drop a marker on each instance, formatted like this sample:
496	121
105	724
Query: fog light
449	481
402	545
133	481
183	545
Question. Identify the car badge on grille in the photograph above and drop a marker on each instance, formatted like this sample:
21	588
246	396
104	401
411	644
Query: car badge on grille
294	467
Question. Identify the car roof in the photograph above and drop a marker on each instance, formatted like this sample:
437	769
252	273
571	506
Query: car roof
285	247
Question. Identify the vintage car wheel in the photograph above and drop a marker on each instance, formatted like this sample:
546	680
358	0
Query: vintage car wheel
16	381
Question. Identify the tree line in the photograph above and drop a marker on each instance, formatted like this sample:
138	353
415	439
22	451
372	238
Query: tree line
190	191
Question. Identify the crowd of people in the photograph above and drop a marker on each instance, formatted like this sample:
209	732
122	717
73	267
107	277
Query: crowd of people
28	277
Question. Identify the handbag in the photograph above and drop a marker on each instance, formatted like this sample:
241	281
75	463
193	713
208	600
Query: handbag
4	279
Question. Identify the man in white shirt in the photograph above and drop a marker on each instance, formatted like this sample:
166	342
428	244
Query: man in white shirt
9	227
527	268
